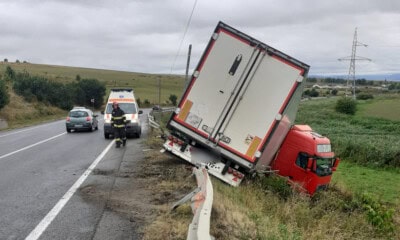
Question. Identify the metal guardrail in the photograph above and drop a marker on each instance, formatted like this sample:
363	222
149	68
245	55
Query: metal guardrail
202	199
151	119
170	109
152	122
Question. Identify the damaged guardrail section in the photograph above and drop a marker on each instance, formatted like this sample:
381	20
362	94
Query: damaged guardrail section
202	199
152	121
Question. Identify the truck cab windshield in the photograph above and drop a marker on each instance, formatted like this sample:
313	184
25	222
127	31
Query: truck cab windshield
324	166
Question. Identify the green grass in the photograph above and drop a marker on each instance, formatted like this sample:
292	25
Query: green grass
383	183
381	108
145	85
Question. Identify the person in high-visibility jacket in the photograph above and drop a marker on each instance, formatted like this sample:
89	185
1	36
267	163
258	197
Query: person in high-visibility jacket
118	122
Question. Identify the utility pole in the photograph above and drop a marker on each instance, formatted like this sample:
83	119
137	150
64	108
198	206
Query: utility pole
353	58
159	91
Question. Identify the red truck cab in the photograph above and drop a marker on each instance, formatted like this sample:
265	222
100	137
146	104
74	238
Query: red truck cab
306	158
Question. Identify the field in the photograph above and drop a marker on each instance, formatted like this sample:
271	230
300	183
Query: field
146	86
358	179
386	108
362	140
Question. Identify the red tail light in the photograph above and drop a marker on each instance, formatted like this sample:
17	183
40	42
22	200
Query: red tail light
170	137
88	119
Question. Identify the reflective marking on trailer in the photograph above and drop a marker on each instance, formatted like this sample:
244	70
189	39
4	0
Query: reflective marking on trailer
253	146
185	110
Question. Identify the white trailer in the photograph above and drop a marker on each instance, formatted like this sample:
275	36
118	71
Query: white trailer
240	103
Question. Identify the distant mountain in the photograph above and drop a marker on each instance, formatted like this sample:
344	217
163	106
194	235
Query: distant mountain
377	77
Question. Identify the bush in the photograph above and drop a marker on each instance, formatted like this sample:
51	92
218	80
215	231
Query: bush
378	214
58	94
311	93
334	92
90	88
346	106
4	98
173	98
314	93
10	73
364	96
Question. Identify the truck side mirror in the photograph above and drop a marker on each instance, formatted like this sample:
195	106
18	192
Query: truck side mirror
335	164
140	111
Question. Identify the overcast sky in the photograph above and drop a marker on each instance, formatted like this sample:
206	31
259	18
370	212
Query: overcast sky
145	35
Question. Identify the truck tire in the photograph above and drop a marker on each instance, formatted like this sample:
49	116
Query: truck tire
106	135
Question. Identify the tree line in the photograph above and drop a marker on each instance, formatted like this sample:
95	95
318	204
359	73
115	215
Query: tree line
82	92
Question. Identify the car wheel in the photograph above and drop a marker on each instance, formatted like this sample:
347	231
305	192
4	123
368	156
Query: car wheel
69	130
106	135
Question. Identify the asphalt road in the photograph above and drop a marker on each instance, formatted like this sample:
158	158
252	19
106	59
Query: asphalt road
40	167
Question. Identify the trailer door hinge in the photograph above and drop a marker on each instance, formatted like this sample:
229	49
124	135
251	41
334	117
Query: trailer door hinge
207	129
224	138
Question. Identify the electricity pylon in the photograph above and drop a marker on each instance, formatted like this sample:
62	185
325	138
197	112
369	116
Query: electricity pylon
352	59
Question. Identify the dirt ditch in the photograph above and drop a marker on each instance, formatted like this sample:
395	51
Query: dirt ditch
143	189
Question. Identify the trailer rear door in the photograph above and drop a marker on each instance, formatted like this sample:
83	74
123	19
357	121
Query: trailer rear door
237	93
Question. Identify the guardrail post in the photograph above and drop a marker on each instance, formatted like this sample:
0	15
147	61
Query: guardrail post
152	122
201	207
202	199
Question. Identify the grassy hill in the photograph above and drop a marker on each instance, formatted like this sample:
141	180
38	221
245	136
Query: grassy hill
19	113
145	85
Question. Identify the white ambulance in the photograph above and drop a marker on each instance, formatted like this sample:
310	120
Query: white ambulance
127	102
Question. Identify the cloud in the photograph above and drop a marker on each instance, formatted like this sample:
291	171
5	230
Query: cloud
144	35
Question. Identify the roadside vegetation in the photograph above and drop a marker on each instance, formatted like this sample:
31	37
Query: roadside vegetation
19	113
47	88
362	202
146	86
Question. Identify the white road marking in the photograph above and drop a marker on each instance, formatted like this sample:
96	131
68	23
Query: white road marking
24	130
46	221
32	145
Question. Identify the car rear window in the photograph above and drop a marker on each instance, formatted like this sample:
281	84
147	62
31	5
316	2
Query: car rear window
128	108
78	114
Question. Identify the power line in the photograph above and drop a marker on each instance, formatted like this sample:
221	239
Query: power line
184	35
353	58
